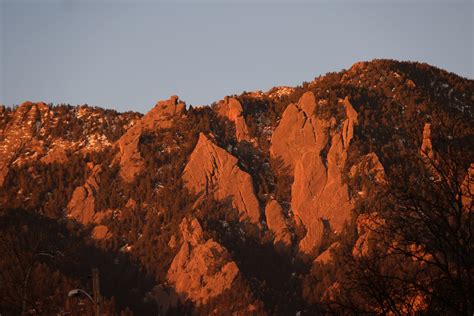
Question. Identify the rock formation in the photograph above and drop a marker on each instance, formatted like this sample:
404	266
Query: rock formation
212	170
19	133
277	225
202	269
317	151
327	256
231	109
161	116
81	206
298	132
426	146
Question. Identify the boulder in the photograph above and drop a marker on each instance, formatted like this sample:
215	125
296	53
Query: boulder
202	269
213	171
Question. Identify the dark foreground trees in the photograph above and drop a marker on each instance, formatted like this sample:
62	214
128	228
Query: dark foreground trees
420	235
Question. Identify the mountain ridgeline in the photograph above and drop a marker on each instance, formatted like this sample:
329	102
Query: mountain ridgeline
349	194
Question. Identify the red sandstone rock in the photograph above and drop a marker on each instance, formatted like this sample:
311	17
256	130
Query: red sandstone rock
81	206
232	110
213	171
202	269
161	116
277	224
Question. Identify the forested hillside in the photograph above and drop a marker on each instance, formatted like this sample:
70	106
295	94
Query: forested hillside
352	193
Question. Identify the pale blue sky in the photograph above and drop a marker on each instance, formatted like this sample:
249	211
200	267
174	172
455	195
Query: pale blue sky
129	54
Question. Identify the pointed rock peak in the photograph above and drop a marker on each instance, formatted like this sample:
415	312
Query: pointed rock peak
307	103
232	110
351	113
191	230
212	169
205	140
348	125
233	104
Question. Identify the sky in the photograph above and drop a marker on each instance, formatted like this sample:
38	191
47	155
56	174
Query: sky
127	55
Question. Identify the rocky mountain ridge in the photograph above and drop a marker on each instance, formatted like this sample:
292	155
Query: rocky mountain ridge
241	207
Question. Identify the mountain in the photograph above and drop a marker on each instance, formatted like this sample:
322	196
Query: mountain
351	193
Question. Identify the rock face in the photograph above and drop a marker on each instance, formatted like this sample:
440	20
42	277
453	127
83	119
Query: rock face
81	206
232	110
317	151
202	269
212	170
426	146
277	224
298	132
19	133
161	116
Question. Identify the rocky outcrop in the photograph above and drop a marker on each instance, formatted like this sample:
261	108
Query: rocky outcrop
298	132
327	256
277	225
19	133
426	146
320	198
101	232
202	269
81	206
161	116
370	168
213	171
231	109
317	151
349	122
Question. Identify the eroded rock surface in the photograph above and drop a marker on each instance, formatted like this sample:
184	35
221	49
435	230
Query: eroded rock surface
317	151
202	269
81	206
19	133
298	132
277	225
213	171
232	110
161	116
